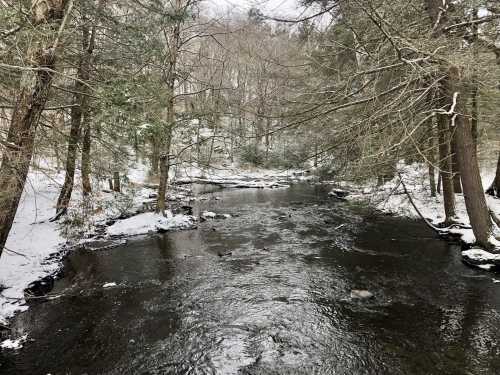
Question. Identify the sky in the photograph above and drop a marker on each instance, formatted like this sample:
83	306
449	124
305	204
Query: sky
274	8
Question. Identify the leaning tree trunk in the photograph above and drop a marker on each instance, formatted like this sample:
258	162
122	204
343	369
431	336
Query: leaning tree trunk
475	200
31	100
494	188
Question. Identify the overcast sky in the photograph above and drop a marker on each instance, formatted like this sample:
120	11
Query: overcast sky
276	8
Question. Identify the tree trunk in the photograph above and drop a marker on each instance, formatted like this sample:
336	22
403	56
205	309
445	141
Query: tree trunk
32	97
162	188
457	183
475	200
80	103
86	166
431	162
475	114
446	170
174	44
155	157
494	188
86	148
116	182
59	125
475	83
74	138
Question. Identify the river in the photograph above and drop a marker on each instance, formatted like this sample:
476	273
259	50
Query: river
268	292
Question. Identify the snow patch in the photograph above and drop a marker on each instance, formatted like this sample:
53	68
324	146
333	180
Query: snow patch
14	344
109	285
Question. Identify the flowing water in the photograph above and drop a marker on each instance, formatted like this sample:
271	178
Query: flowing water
268	292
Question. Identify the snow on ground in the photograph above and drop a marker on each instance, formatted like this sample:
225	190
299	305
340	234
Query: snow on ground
31	240
150	222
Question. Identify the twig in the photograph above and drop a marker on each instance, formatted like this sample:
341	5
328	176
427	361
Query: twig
429	224
15	252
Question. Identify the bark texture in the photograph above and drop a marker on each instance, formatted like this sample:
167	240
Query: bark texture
431	162
475	200
86	148
446	169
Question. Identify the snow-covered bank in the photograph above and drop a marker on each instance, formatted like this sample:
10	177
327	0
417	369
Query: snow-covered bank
32	239
391	198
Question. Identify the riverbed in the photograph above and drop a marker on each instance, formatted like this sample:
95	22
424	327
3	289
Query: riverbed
268	291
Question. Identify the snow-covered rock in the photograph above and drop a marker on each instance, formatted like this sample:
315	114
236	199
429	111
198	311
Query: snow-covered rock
361	294
339	193
14	344
150	222
208	215
481	257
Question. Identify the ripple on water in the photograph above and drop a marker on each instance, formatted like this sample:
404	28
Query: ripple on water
268	292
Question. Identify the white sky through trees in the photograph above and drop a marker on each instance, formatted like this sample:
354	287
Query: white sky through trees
273	8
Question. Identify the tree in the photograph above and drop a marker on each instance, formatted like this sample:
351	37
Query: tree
49	20
79	111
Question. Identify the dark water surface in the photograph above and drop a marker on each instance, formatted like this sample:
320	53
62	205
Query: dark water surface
278	304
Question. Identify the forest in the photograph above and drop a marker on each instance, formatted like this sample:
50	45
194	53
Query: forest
249	187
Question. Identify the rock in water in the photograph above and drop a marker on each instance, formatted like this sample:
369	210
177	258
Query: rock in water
361	294
339	193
